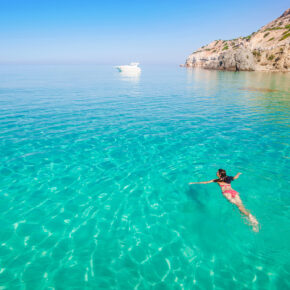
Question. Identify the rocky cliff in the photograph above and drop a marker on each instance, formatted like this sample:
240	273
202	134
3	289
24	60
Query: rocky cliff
267	49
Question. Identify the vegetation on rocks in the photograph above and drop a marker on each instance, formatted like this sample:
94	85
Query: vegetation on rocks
266	34
285	36
274	28
256	53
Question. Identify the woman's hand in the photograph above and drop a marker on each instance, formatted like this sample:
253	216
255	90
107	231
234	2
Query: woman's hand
237	175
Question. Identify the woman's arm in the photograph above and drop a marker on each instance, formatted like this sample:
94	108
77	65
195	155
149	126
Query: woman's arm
202	182
237	176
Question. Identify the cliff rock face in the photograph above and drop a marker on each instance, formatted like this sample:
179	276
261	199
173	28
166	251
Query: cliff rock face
267	49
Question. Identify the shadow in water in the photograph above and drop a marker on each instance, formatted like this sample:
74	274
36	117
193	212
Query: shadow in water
196	196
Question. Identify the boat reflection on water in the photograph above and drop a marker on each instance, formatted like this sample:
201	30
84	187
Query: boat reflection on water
130	76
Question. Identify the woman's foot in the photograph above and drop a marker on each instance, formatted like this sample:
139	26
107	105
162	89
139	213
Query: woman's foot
254	223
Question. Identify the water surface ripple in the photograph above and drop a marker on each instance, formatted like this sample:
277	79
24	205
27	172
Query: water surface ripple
94	172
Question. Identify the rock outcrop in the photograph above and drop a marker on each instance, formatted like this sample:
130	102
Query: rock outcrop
268	49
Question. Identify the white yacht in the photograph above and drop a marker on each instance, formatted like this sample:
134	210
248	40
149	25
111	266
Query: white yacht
132	68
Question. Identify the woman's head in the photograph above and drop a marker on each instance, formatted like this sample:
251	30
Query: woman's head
221	173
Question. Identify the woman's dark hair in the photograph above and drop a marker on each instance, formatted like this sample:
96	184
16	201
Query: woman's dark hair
223	177
222	174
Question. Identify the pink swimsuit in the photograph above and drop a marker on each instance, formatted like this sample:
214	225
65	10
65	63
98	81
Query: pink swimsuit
232	192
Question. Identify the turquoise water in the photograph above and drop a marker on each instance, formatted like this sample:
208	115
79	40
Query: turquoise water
94	172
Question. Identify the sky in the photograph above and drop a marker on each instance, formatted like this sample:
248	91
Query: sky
118	32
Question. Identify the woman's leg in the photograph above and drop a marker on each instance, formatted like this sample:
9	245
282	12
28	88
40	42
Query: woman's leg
238	202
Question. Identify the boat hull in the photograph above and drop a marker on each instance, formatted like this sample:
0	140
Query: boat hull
128	69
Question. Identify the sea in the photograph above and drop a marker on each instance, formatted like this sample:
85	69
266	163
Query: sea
95	167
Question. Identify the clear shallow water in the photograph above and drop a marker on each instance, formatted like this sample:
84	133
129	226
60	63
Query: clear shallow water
94	172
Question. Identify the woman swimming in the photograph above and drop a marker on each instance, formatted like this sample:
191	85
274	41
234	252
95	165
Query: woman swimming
231	195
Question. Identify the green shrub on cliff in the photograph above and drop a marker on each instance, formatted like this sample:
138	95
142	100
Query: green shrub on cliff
271	57
256	53
225	47
285	36
274	28
266	34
